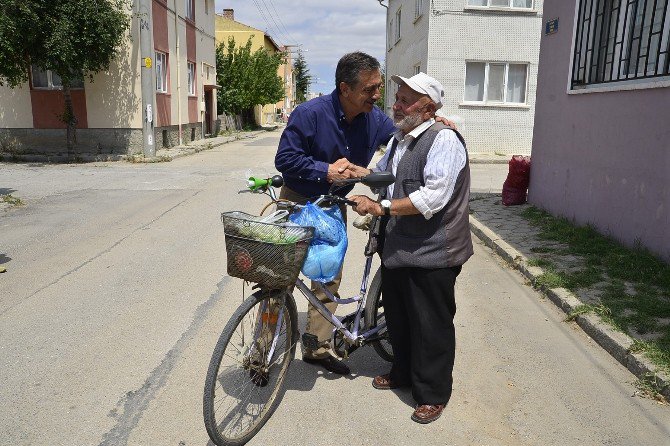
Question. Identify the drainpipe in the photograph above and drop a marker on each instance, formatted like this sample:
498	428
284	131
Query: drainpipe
386	54
176	31
147	81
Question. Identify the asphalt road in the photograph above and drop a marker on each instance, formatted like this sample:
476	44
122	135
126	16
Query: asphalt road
115	294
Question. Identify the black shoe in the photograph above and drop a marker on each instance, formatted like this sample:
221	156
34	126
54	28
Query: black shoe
329	363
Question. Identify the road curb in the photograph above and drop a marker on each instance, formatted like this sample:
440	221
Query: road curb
617	344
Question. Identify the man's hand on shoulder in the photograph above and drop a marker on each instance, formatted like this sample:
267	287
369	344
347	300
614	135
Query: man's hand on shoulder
446	122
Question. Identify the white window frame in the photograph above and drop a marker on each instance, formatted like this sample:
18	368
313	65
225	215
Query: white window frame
504	8
485	100
190	9
418	9
50	81
161	72
398	21
190	68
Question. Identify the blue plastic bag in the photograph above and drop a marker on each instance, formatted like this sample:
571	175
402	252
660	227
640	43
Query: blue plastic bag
329	245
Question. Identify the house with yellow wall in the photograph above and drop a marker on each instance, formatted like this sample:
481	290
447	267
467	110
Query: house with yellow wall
227	27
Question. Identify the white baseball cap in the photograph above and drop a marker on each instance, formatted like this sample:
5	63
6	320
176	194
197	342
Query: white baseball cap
424	84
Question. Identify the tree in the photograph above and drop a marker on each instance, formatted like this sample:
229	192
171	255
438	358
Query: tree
72	38
247	79
382	91
302	78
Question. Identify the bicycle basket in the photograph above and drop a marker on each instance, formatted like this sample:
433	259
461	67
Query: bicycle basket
269	254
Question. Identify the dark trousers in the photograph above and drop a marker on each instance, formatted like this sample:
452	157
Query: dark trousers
419	306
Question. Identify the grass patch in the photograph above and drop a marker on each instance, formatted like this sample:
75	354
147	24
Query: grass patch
11	200
650	386
636	297
542	263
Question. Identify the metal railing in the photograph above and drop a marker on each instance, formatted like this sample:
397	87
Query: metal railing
619	40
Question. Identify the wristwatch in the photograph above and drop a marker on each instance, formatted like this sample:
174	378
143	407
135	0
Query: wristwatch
386	206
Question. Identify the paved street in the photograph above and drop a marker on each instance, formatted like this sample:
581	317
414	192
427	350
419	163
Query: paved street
115	294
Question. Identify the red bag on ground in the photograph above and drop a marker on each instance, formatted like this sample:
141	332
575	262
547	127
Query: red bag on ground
516	184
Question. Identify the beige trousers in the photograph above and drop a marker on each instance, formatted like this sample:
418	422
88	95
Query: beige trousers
317	325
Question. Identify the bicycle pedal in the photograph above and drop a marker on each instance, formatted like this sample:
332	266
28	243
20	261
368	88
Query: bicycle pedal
310	342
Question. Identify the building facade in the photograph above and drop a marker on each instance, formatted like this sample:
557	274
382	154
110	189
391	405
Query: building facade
109	109
601	154
227	27
484	52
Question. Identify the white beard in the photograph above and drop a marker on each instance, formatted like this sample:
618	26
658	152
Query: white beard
409	122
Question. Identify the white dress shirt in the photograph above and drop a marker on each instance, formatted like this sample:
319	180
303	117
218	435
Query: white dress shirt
446	158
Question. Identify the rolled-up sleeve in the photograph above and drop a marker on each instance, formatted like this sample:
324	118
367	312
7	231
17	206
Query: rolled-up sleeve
445	161
294	157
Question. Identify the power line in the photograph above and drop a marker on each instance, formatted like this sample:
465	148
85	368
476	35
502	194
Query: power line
291	39
265	18
260	11
273	20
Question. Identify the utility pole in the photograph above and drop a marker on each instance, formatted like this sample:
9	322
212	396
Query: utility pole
288	59
147	79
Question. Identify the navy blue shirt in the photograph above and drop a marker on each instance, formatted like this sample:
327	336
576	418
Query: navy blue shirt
317	134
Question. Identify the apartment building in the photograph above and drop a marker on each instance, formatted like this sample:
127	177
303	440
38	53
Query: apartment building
484	52
601	154
109	109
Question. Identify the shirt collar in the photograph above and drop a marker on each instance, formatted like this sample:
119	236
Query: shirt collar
416	132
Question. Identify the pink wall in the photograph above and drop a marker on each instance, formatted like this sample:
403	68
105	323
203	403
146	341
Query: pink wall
600	158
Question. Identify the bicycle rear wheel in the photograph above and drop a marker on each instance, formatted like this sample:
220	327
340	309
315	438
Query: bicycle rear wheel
374	316
245	376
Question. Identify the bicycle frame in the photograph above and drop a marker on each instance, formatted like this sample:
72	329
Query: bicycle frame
354	337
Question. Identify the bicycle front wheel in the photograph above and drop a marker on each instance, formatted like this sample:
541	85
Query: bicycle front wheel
248	367
374	316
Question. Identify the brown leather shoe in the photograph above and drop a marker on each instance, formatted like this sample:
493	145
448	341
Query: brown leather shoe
427	413
384	382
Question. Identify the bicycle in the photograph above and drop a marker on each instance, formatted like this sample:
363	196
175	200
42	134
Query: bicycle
252	355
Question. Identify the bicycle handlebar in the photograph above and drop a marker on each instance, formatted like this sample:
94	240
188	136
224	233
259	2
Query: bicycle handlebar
373	180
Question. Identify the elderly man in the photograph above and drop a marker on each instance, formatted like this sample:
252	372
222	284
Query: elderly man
427	240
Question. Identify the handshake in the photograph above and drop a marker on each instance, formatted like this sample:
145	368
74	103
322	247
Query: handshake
343	169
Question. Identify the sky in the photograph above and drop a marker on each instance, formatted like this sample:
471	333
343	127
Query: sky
325	29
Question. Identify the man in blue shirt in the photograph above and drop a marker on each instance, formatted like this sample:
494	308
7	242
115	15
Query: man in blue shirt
324	139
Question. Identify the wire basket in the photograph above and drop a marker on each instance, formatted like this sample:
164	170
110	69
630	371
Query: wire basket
269	254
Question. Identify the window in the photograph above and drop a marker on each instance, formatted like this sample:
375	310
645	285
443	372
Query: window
398	14
417	68
190	9
191	78
47	79
418	8
206	6
161	72
391	34
617	40
495	82
525	4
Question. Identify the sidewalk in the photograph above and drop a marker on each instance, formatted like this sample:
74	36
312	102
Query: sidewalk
503	229
199	145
